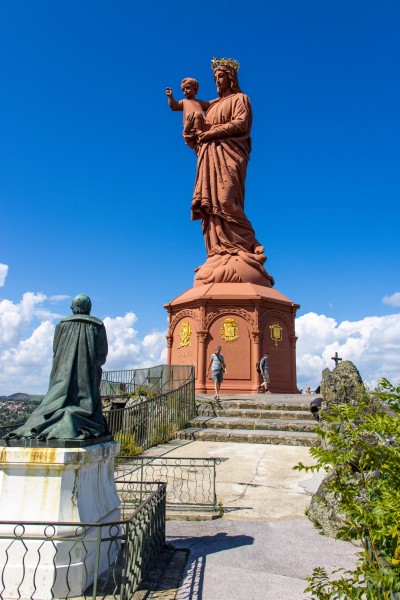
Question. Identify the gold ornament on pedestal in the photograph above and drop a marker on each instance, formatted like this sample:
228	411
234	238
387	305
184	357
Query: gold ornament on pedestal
230	330
184	333
276	332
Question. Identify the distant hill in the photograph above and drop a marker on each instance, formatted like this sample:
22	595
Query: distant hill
16	397
21	397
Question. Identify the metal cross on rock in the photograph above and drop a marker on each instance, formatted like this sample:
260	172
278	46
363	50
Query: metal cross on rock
336	359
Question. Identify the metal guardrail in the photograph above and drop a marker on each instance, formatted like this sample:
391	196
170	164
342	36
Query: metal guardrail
191	482
152	381
5	429
122	552
152	421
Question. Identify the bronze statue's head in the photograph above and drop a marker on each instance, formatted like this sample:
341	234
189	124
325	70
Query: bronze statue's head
81	305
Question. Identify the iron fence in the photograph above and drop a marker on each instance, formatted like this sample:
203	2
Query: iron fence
152	421
152	381
5	429
108	560
191	482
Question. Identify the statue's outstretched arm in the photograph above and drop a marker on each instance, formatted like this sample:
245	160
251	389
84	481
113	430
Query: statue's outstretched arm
173	104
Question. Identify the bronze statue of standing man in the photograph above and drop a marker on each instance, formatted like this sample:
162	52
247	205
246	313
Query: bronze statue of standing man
72	409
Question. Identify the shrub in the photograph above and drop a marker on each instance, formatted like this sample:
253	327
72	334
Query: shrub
128	444
360	448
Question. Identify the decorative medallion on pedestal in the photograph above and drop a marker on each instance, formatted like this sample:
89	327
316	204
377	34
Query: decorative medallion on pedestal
229	330
184	334
276	332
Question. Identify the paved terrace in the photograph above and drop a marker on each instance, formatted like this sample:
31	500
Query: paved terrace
263	547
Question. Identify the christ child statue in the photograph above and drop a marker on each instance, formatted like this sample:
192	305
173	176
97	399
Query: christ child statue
193	109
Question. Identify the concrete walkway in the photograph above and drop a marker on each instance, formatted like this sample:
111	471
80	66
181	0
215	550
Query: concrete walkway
264	547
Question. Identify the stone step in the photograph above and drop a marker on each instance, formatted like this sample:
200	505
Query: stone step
256	436
258	418
221	422
267	404
249	413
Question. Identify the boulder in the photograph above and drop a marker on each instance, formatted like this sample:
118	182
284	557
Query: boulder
342	384
324	509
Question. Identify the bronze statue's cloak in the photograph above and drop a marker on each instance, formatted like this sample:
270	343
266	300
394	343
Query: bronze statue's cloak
72	409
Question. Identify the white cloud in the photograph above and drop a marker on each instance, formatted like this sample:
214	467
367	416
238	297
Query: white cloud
393	300
14	318
372	344
127	351
3	273
26	341
25	366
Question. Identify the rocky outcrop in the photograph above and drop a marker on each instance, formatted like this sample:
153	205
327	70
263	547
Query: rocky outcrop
324	509
342	384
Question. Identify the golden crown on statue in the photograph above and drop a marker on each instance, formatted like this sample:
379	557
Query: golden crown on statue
228	62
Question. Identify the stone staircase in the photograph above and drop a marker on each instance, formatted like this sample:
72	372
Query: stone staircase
256	418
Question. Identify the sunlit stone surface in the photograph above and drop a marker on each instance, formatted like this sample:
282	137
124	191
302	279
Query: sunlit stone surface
55	485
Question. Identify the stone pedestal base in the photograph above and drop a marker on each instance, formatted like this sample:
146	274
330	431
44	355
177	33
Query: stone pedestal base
246	320
56	485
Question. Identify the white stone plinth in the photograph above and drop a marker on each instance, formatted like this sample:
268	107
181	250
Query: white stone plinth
58	485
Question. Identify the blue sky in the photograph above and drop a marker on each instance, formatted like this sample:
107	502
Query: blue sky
96	182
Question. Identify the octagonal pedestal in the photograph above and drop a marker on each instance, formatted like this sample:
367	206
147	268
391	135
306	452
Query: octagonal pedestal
246	320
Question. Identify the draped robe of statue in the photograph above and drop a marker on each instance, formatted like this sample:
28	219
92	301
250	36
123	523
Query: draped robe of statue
72	409
233	252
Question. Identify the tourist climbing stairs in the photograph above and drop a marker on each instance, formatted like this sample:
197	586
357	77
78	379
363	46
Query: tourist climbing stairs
255	418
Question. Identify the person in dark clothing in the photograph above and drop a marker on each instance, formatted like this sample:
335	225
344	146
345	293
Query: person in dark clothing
263	387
